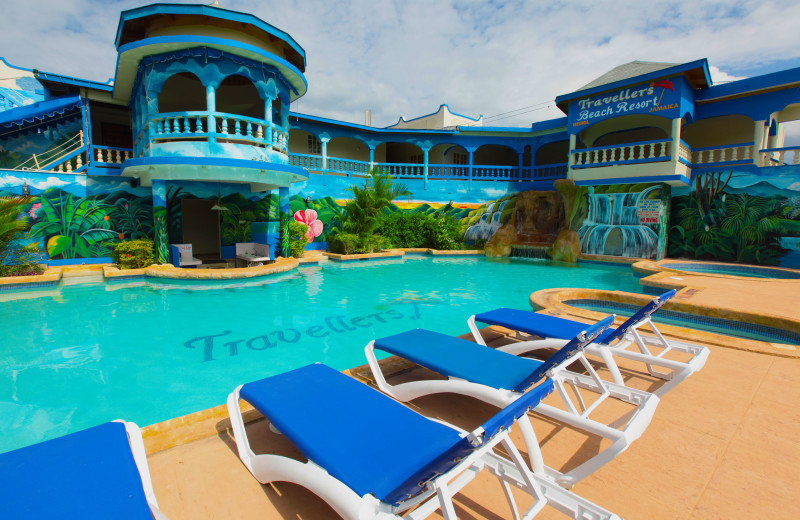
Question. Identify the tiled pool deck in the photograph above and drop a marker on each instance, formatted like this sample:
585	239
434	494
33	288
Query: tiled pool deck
722	445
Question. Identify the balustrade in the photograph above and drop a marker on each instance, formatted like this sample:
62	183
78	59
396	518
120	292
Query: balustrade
108	155
73	164
786	156
182	126
731	153
648	151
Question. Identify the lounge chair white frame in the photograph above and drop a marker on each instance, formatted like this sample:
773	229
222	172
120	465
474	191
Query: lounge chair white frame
577	414
140	458
267	468
676	371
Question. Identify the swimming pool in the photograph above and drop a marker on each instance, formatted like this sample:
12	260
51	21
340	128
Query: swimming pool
149	351
733	270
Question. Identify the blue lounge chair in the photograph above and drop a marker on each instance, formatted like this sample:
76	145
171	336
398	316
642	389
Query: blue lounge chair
100	472
499	378
614	342
371	457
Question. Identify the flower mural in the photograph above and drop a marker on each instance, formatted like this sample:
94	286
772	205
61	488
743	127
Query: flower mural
309	218
34	209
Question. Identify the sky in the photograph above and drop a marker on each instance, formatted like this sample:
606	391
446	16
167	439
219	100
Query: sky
506	60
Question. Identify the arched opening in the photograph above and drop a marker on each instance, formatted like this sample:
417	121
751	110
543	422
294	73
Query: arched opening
347	148
552	153
719	131
448	160
496	155
303	142
182	92
400	159
448	154
237	95
626	129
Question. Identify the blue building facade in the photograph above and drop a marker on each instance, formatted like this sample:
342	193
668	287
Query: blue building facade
193	142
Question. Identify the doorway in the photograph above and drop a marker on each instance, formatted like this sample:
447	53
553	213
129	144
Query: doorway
201	229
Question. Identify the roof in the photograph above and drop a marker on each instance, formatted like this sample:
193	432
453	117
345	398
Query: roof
635	72
41	111
627	71
132	25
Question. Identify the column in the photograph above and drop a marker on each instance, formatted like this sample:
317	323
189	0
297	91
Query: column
161	238
149	111
211	107
570	156
324	143
519	168
371	157
283	205
425	168
758	143
676	139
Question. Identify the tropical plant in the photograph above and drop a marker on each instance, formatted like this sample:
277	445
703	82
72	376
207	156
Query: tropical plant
360	215
160	234
343	243
297	238
16	257
236	225
73	228
133	218
133	254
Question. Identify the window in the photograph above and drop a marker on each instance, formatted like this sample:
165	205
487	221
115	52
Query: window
459	158
416	159
314	146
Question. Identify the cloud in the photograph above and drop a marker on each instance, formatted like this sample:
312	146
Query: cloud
50	182
719	76
406	57
10	180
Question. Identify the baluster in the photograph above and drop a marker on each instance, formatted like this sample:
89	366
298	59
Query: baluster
78	160
748	151
796	158
127	155
259	132
237	127
185	129
60	168
224	125
99	155
69	166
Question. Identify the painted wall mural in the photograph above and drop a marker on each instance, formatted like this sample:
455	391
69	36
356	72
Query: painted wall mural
19	147
735	216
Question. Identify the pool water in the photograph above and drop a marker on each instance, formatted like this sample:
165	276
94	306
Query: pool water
146	352
734	270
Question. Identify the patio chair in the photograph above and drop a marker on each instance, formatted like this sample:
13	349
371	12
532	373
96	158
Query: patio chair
499	378
100	472
369	456
614	342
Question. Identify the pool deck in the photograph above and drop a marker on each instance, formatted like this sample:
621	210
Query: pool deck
722	445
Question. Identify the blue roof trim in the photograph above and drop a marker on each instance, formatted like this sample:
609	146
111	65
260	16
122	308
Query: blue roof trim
368	128
212	12
635	180
78	82
459	115
743	86
208	40
14	66
41	111
433	114
671	71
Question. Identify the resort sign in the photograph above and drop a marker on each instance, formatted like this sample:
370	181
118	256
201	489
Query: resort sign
660	98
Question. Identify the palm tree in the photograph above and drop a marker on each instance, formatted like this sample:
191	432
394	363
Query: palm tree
360	215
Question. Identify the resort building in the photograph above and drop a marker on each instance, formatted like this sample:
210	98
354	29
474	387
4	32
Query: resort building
193	142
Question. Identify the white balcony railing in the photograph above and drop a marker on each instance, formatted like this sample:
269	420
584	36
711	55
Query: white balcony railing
202	125
648	151
786	156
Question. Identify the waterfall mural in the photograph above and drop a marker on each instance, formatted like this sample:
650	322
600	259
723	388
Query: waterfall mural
487	224
626	220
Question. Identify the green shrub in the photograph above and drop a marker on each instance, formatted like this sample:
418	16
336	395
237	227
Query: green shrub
133	254
421	230
297	238
344	243
19	259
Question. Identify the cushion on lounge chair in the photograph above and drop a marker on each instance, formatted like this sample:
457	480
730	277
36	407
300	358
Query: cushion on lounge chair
361	437
541	325
456	357
87	474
